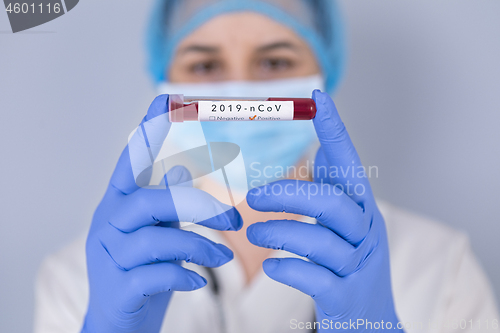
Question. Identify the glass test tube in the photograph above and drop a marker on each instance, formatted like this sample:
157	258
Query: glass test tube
185	108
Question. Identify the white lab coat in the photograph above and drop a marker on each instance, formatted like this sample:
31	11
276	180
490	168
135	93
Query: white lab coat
437	283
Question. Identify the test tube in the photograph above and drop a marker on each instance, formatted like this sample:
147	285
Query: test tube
190	108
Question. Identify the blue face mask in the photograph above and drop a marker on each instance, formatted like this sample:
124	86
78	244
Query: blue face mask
267	147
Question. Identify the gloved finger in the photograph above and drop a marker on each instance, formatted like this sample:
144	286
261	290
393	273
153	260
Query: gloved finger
312	241
145	281
147	207
321	169
143	147
158	244
324	202
178	176
311	279
342	158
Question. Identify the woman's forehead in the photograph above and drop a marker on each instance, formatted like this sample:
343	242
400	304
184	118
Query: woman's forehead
183	12
239	28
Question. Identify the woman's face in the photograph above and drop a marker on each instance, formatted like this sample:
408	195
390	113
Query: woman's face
242	46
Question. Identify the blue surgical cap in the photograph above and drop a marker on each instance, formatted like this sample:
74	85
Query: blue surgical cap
315	21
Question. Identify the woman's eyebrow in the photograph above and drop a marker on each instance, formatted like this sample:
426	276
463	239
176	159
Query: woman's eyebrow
277	45
199	48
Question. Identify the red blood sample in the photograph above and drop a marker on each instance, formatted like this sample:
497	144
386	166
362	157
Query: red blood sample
186	108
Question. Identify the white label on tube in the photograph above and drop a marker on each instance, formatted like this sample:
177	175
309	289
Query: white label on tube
244	110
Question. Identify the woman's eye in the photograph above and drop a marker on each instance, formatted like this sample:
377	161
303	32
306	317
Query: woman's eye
275	64
205	68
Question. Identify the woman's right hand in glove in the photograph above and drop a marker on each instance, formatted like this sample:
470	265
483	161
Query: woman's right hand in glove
134	247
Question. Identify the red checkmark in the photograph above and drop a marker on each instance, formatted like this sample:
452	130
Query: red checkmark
252	118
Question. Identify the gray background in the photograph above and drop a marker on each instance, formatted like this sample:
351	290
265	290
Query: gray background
420	99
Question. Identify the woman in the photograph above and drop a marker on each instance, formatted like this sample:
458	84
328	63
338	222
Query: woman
429	282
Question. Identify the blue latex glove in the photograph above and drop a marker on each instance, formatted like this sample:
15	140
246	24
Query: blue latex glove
134	247
348	274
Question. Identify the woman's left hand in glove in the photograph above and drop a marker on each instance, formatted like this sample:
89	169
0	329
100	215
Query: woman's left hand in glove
346	268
